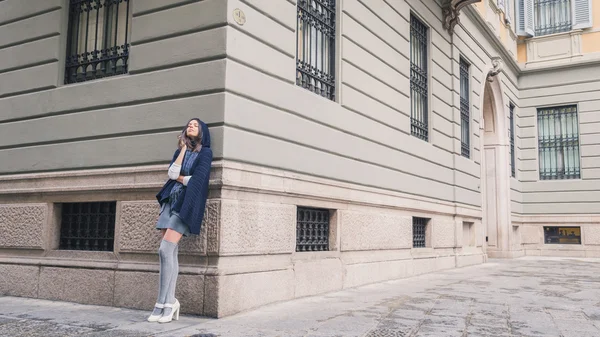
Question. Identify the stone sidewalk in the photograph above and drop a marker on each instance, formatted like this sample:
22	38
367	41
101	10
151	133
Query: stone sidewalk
525	297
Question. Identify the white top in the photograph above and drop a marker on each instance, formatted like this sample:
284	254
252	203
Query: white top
174	172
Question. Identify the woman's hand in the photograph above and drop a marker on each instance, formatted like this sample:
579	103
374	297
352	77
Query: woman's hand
180	179
179	159
182	145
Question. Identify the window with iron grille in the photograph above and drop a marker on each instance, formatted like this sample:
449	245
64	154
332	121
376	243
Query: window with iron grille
315	50
312	229
465	144
511	135
552	16
418	79
558	143
97	44
419	232
88	226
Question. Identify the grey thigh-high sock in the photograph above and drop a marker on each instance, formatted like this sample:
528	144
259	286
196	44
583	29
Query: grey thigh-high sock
158	310
166	252
173	282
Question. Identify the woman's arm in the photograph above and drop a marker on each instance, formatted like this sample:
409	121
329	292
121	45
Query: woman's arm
183	179
174	171
175	168
179	159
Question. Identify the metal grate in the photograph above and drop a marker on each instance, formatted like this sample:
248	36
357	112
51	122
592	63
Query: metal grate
558	143
88	226
312	230
315	50
419	232
552	16
97	44
418	79
465	145
511	135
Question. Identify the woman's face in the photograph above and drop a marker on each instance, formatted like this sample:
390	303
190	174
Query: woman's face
192	129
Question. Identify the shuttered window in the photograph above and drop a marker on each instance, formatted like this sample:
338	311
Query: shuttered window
544	17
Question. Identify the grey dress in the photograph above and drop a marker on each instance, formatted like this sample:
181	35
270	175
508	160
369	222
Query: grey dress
169	218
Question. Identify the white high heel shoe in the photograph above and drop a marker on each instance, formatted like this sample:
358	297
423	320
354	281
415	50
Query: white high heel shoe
174	312
154	318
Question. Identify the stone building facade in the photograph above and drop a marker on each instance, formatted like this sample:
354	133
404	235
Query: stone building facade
355	141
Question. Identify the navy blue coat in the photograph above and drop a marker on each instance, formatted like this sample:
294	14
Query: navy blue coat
192	202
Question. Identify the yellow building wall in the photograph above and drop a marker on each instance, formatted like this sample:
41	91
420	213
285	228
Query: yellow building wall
590	40
481	7
521	53
503	29
596	13
590	43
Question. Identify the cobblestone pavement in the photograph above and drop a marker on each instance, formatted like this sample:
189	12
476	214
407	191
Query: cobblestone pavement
525	297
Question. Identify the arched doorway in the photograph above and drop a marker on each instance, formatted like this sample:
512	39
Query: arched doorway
495	172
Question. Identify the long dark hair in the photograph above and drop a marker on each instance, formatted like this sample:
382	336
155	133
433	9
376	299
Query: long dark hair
193	144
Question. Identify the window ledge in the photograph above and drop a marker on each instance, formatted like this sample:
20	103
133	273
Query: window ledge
104	256
309	256
555	35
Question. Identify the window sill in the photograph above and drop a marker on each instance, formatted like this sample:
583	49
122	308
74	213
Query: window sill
558	180
423	251
82	255
554	35
309	256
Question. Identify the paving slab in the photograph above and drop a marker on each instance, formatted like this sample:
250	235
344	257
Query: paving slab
528	297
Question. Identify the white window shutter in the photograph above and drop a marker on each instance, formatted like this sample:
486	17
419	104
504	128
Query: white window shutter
508	11
529	18
582	13
525	20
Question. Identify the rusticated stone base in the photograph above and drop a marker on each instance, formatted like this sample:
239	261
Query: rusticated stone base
532	236
139	233
140	289
230	294
245	256
137	290
88	286
16	280
22	225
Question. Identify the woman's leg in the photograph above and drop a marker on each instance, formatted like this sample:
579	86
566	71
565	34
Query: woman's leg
169	249
159	306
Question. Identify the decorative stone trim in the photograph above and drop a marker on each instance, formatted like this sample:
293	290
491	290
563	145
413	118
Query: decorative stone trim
451	11
562	47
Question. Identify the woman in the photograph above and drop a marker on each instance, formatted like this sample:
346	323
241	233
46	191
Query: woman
182	200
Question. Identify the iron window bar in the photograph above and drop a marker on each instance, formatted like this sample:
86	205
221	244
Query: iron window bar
465	141
312	229
419	232
552	16
511	134
97	44
418	79
315	49
88	226
558	143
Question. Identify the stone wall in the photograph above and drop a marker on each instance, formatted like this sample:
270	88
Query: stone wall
246	254
532	235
